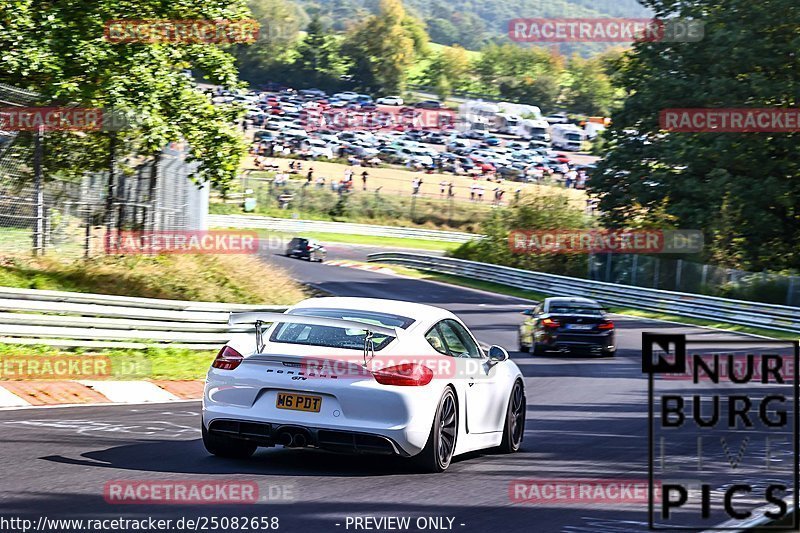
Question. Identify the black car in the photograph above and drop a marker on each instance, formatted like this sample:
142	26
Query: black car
306	249
567	325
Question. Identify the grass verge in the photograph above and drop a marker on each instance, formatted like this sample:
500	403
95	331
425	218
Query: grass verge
389	242
151	363
214	278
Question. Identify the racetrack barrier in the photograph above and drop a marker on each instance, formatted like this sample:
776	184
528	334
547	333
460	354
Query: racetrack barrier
761	315
69	319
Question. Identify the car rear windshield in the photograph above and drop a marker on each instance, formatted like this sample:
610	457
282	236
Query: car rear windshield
333	337
558	309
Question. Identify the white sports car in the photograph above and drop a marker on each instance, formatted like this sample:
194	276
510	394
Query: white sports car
362	375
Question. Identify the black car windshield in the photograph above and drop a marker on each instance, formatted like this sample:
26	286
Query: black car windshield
333	337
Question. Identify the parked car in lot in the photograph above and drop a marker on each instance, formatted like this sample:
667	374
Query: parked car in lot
319	148
434	137
335	374
567	325
389	100
347	96
303	248
557	118
429	104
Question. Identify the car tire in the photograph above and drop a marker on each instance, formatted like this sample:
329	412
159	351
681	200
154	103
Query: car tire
536	348
609	353
438	452
222	446
514	428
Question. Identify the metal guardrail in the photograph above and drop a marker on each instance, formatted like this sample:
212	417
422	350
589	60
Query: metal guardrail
766	316
69	319
289	225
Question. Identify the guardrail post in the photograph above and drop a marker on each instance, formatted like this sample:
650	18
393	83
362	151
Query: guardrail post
678	270
634	268
608	267
38	231
790	291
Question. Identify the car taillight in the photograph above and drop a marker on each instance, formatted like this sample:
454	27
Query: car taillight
227	359
550	323
308	248
607	324
407	374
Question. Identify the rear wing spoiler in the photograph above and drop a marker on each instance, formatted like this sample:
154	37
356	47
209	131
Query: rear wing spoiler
258	318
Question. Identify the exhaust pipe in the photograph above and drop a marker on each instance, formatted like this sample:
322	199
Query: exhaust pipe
285	438
299	441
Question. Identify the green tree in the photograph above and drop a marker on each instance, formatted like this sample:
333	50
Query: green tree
740	188
318	57
384	47
498	62
451	68
280	23
542	91
590	91
57	49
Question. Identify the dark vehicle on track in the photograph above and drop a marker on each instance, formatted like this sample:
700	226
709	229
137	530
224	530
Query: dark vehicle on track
567	325
306	249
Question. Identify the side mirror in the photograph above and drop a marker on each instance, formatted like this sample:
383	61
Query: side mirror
497	354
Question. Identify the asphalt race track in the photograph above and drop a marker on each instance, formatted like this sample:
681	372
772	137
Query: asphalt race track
587	418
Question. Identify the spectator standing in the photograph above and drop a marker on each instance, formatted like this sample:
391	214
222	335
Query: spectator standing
580	183
364	176
569	178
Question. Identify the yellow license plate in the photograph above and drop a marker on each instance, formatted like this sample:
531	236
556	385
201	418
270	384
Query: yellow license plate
298	402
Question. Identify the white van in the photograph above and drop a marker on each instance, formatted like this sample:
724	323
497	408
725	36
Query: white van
566	136
534	130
